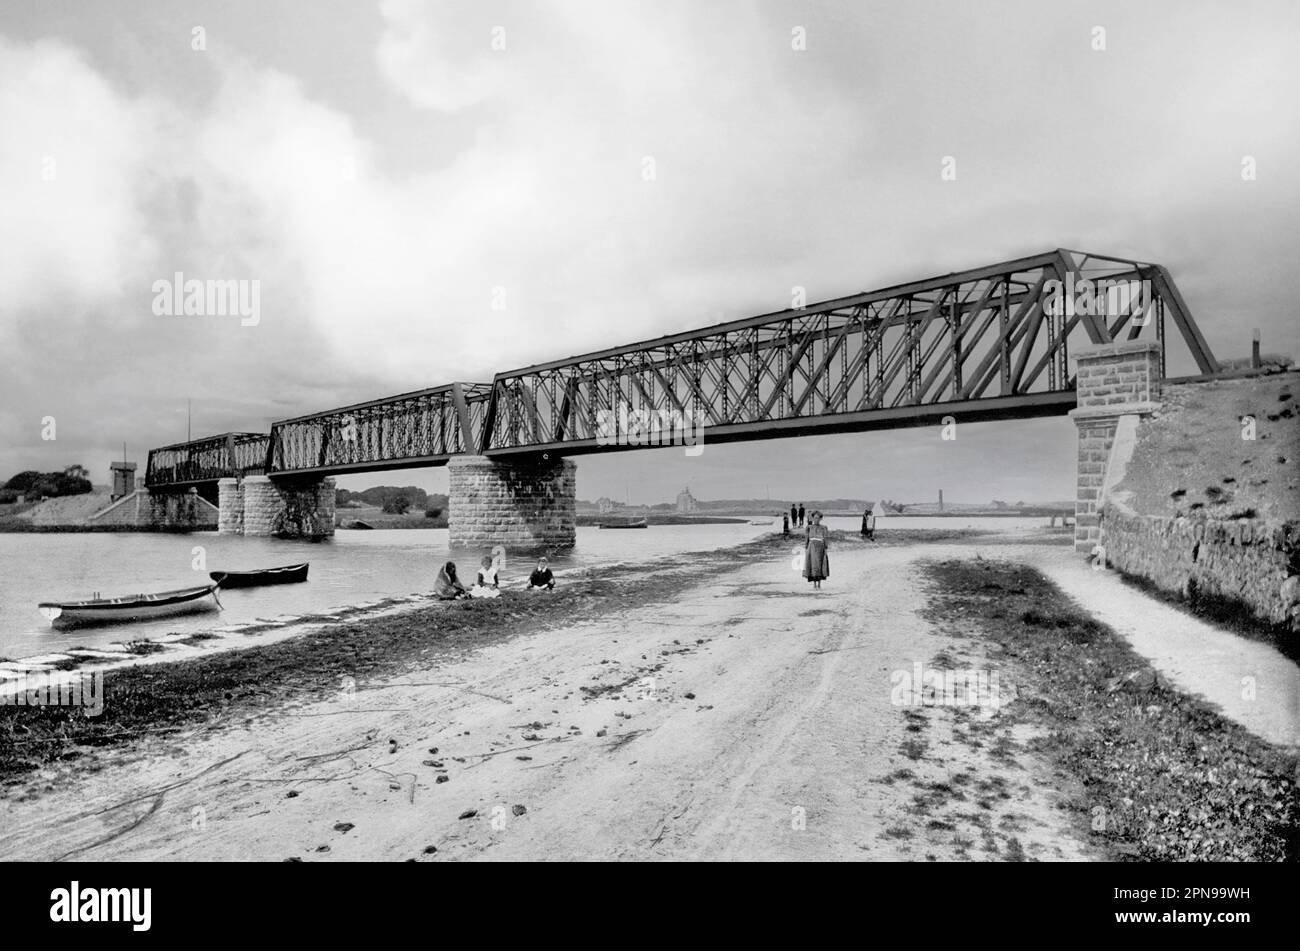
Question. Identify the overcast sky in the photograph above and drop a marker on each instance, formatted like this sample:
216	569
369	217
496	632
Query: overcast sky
380	168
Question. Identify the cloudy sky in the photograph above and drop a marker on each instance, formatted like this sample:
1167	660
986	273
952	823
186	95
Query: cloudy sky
381	168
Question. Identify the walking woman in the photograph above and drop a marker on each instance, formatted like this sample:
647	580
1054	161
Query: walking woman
816	566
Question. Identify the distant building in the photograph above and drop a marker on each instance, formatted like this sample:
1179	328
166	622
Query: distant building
879	509
605	505
123	479
686	502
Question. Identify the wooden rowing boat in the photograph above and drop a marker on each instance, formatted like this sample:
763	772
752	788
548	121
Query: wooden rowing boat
133	607
285	574
638	523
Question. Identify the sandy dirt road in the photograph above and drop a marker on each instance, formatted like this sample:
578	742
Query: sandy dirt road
749	719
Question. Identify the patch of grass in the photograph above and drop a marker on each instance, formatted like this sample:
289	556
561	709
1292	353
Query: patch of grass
1174	779
142	646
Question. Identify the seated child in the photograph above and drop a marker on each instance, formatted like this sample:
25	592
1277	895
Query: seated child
541	579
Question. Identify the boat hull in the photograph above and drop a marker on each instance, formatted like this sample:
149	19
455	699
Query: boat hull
288	574
65	614
632	525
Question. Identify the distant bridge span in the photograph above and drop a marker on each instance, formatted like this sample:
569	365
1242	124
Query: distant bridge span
981	344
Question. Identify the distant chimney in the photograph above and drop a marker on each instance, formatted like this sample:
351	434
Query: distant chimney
941	500
123	479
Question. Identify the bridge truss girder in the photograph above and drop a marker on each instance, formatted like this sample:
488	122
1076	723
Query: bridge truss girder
977	344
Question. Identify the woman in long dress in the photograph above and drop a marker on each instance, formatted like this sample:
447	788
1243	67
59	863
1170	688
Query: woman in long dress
816	566
447	586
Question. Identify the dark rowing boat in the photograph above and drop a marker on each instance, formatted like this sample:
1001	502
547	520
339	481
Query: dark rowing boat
638	523
286	574
132	607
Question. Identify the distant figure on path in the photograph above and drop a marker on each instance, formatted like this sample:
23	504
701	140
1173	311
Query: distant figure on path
447	586
868	524
541	579
785	524
816	566
794	515
486	585
801	518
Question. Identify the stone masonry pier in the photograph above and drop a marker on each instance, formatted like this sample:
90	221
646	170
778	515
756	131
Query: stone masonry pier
1117	385
262	506
527	503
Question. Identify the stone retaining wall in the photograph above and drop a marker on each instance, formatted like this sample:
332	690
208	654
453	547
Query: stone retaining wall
526	504
175	511
1248	563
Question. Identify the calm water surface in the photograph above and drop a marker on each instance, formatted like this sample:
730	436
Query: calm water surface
354	567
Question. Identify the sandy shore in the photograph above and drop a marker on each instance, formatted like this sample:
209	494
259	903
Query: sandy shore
740	716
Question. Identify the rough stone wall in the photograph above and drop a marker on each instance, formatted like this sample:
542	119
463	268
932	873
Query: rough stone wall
288	509
231	504
525	504
1249	563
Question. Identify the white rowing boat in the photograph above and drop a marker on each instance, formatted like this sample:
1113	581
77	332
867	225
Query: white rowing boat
133	607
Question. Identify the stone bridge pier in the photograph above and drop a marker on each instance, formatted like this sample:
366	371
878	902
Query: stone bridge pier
284	508
1118	385
526	503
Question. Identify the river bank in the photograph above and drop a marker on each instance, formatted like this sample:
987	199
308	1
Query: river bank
708	706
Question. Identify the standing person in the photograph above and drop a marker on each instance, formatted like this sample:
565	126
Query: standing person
541	579
785	524
866	515
486	585
816	566
801	518
794	515
447	586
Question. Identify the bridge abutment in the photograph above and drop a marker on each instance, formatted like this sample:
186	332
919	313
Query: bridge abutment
525	503
1117	385
286	509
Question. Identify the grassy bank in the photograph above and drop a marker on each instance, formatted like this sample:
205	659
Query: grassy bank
1166	777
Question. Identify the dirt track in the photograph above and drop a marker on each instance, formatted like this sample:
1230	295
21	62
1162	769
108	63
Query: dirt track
789	748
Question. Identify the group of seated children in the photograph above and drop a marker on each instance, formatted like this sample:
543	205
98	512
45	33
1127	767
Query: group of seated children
487	584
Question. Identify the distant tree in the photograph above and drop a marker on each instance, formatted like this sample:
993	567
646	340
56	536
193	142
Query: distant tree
71	485
433	512
397	505
24	480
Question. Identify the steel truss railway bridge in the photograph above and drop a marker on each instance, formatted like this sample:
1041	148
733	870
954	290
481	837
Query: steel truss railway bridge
990	343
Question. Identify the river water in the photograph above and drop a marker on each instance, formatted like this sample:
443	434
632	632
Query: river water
352	568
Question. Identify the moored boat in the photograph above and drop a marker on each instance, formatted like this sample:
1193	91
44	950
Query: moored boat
634	523
285	574
132	607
